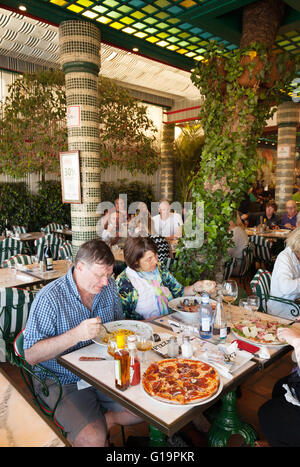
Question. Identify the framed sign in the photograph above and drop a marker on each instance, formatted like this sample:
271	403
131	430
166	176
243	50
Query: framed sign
73	116
283	151
70	177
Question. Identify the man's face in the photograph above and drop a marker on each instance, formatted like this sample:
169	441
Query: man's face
92	278
164	210
269	211
291	209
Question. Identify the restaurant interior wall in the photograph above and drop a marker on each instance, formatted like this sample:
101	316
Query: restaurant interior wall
110	174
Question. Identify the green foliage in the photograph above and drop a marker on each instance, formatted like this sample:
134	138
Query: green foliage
33	128
49	206
241	92
33	210
127	135
188	148
136	191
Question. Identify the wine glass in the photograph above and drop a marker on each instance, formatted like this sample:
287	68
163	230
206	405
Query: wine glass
253	303
230	292
69	262
144	344
243	303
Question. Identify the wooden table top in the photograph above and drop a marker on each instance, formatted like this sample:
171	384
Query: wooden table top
31	274
276	233
24	237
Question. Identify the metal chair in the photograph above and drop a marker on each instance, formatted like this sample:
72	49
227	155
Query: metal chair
245	263
18	259
260	286
40	374
9	247
262	251
40	243
14	311
65	251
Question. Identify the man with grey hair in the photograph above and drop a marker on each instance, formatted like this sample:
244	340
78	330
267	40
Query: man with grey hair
66	315
166	223
289	220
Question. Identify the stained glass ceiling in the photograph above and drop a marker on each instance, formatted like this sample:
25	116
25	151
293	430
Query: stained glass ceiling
176	32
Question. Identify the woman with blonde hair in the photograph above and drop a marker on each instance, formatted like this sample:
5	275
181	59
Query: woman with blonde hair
240	240
285	282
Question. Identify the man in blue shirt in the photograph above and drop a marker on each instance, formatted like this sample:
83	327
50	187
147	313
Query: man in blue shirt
65	315
289	220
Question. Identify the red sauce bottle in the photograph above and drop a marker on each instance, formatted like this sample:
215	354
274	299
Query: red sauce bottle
134	363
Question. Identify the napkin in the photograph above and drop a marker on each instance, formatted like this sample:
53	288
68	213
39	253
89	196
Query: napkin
81	384
263	353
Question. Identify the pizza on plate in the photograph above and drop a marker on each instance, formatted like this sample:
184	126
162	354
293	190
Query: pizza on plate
259	331
181	381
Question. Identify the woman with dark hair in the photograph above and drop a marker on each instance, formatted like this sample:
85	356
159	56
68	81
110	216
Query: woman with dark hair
145	287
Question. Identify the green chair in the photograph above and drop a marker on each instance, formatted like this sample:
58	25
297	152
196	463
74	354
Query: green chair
18	259
260	286
228	268
9	247
40	374
52	227
245	263
55	244
19	229
14	310
65	251
262	251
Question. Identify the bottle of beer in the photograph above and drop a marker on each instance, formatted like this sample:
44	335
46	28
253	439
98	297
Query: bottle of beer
48	258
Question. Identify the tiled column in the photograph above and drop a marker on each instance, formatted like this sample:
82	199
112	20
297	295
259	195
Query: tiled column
287	119
167	162
79	43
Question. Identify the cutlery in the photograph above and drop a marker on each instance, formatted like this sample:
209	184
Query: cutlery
293	322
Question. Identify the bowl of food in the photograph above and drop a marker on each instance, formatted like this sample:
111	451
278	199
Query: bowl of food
188	307
126	327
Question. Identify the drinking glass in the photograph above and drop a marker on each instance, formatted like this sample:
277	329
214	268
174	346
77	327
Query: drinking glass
253	303
69	262
144	345
230	292
243	303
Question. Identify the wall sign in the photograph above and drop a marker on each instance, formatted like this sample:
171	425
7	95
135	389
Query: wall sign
70	177
283	151
73	116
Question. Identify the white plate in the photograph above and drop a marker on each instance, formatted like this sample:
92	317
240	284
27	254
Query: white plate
258	344
138	327
172	404
189	316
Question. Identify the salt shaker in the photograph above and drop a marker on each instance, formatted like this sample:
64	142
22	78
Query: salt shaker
186	347
173	347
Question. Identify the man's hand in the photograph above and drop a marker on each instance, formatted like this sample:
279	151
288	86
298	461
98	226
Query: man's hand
88	329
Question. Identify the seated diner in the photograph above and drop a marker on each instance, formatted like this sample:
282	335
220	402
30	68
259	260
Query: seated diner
145	286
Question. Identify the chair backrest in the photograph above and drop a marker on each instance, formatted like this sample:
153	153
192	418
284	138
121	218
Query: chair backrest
52	227
262	248
15	305
228	268
260	286
40	244
9	247
19	229
18	259
247	259
65	251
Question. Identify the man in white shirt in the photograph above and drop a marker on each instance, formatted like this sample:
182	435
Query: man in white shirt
166	223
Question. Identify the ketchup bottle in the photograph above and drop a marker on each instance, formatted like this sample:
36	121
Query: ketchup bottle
134	363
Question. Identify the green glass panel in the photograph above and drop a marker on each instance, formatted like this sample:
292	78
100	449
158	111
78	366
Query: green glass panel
151	30
184	35
162	35
173	20
162	3
173	39
194	39
162	25
150	20
291	33
111	3
114	14
139	25
99	9
282	43
149	9
174	30
125	9
183	43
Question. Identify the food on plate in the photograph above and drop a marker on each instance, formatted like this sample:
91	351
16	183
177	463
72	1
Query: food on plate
259	331
181	381
125	332
189	305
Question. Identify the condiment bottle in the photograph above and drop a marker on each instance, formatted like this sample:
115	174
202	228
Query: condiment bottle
121	358
220	325
173	347
134	363
206	318
186	347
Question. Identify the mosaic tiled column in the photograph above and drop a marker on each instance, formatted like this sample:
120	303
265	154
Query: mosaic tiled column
79	43
167	162
287	119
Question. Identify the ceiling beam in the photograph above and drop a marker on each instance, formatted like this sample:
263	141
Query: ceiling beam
213	9
295	4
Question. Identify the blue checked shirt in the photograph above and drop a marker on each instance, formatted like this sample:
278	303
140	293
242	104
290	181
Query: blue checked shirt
57	308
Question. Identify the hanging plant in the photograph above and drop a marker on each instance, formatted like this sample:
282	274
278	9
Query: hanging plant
241	90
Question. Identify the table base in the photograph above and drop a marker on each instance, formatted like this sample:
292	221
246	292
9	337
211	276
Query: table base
228	423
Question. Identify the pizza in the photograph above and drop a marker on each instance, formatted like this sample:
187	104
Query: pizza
259	331
181	381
